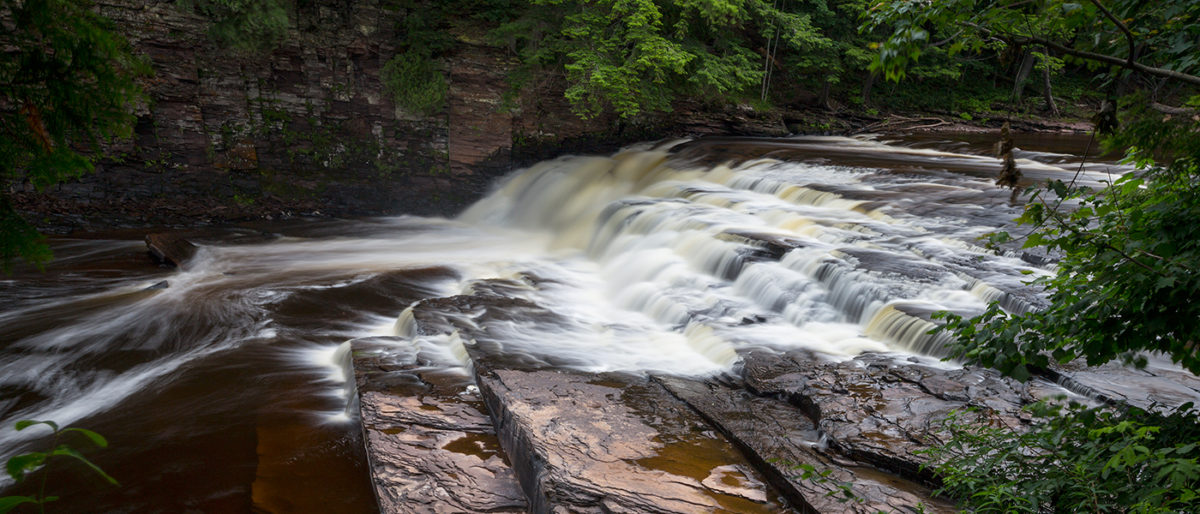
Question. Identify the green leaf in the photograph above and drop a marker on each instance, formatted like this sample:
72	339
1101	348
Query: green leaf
26	423
70	452
8	503
96	439
17	466
1165	282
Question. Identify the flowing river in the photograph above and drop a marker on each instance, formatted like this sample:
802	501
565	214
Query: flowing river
223	386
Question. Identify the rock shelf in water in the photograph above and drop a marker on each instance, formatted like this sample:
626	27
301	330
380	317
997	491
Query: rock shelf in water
519	433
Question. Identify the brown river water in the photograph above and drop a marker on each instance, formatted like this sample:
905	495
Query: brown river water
227	391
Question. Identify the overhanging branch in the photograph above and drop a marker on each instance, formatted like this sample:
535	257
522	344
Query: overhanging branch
1124	29
1116	61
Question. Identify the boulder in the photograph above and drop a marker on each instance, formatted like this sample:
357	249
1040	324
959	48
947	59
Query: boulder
170	249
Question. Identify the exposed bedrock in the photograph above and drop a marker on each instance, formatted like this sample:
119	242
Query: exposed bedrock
788	447
429	440
615	443
882	410
783	431
1159	386
590	442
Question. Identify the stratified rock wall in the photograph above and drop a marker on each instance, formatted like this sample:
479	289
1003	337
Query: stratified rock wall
310	128
307	127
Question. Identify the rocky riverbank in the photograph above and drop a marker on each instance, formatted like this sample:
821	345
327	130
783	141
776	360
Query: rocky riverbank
785	431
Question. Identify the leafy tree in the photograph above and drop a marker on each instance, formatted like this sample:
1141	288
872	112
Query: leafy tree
67	86
632	57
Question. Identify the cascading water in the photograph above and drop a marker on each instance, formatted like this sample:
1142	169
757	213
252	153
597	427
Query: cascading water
650	260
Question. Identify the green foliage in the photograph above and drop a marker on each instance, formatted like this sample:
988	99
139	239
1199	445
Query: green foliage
415	83
1127	278
842	491
1126	282
1164	33
632	57
1074	459
617	58
19	466
67	87
246	25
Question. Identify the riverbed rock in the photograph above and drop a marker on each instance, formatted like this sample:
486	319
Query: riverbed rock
787	446
584	442
882	410
170	249
429	441
1160	386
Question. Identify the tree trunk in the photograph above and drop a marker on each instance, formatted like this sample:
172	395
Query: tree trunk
866	90
1046	91
1022	74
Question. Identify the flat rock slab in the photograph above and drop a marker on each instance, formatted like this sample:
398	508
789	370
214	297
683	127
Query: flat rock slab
881	411
1159	386
608	443
784	442
429	441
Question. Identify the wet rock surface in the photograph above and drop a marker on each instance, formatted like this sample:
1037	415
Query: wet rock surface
786	431
1158	386
430	443
882	410
787	446
590	442
800	432
170	249
615	443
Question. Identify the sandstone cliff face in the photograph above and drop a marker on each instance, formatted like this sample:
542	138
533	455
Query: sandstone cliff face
309	127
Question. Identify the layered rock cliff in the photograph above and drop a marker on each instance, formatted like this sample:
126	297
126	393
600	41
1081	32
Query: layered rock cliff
309	126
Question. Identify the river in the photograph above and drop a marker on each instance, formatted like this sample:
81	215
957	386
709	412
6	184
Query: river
222	386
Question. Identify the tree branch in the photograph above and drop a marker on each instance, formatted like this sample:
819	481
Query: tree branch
1121	25
1126	63
1177	111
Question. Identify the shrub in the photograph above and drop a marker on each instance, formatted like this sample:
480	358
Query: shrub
1074	459
415	83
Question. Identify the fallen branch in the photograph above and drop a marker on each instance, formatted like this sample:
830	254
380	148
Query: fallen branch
1177	111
